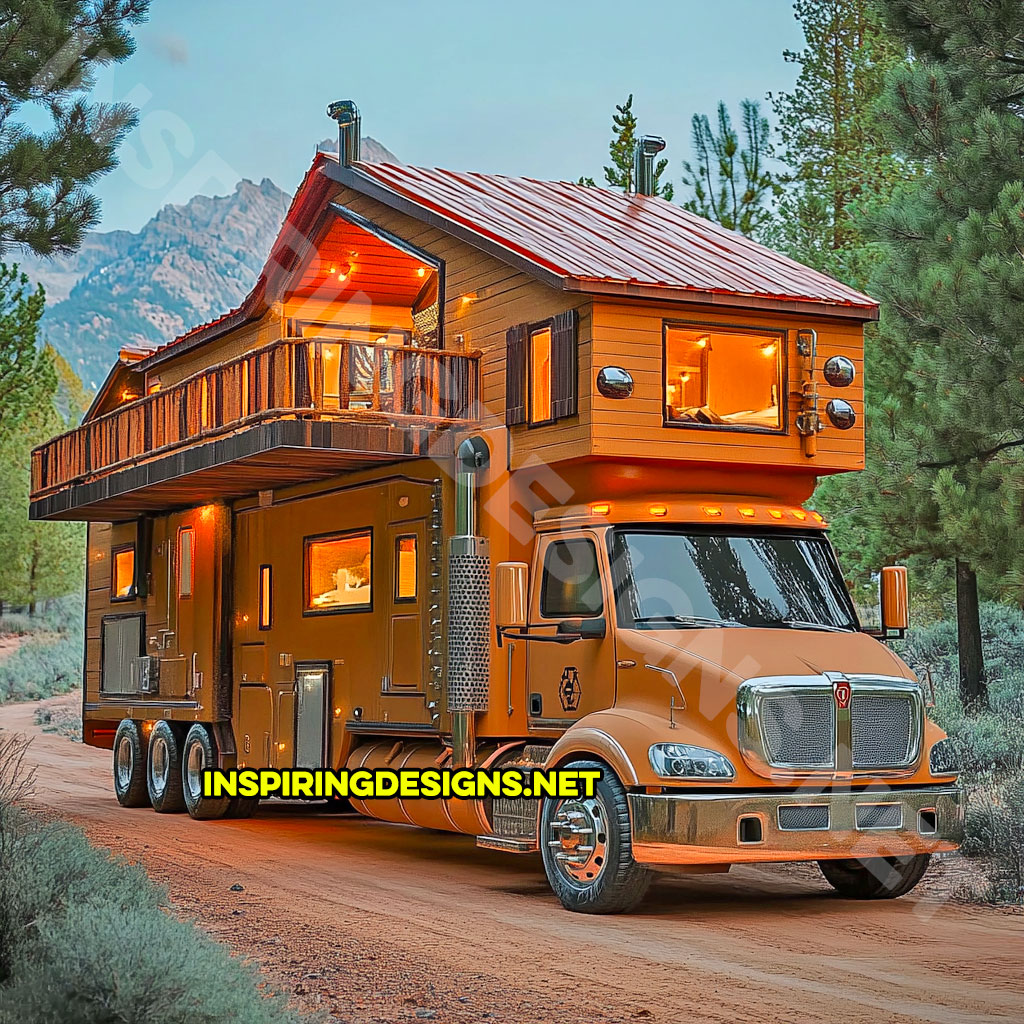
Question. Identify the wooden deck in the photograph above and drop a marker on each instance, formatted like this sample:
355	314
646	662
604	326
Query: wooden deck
297	409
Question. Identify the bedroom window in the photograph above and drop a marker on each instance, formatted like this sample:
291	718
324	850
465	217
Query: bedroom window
723	377
338	573
123	581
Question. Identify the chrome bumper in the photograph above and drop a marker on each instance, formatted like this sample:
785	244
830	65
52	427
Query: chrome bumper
730	828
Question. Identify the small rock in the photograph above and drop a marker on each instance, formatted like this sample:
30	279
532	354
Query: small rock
237	888
313	974
463	999
426	1014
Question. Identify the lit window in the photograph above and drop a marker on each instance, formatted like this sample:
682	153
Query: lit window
186	558
123	583
204	403
338	570
266	597
405	568
540	375
723	377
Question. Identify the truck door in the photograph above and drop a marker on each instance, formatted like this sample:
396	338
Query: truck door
312	688
568	681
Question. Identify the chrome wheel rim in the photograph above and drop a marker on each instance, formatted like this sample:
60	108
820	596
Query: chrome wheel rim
579	839
160	762
194	765
124	762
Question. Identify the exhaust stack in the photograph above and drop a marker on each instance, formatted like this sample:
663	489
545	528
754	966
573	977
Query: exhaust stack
647	148
346	113
469	606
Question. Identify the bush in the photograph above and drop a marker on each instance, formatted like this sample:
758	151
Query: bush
16	624
87	939
42	667
989	741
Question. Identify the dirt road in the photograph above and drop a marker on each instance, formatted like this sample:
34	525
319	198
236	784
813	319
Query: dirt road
375	922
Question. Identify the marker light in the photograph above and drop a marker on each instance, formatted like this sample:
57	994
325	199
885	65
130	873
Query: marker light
775	513
421	272
747	513
658	510
799	513
337	712
817	516
712	510
280	746
600	508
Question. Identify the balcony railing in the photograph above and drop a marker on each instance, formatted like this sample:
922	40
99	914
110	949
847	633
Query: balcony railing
313	378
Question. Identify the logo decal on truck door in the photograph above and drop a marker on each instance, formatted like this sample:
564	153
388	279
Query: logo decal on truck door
569	689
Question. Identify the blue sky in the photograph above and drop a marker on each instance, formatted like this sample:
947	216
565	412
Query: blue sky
229	90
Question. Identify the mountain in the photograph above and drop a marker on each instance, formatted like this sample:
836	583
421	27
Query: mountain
187	265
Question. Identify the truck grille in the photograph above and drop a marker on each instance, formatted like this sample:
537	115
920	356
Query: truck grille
795	724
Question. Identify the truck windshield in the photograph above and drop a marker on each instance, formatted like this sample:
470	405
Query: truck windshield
679	579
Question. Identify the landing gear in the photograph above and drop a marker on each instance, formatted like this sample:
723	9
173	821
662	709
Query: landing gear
587	849
875	878
163	770
200	754
130	765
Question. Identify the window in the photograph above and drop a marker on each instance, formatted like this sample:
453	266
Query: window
266	597
122	583
186	558
540	376
571	587
729	377
338	572
405	568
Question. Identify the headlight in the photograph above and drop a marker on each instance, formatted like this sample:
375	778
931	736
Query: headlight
944	759
682	761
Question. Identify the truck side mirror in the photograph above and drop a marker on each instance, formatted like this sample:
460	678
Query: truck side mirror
510	594
895	598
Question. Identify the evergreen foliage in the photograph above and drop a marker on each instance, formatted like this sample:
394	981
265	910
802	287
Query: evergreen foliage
51	52
730	184
622	149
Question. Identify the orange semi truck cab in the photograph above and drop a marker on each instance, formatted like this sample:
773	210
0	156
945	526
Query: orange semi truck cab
488	472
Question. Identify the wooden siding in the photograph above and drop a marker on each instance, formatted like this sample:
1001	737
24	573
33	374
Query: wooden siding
630	335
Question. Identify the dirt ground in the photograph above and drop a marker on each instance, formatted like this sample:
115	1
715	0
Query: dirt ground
372	922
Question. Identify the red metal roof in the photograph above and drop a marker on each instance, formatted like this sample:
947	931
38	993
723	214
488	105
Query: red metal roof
595	235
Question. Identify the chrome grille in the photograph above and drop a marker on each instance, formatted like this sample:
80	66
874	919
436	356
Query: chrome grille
882	729
803	817
870	816
799	728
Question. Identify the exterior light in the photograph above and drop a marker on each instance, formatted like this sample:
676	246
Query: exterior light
799	513
467	299
775	513
600	508
334	270
658	510
817	516
280	746
702	341
421	272
684	378
337	712
684	761
747	513
712	510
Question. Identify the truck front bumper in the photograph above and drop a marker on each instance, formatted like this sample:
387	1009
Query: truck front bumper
751	827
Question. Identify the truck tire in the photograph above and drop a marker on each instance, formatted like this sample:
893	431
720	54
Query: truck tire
197	755
130	765
242	806
163	770
587	848
875	878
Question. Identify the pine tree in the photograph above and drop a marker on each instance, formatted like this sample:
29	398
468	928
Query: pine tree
26	374
622	149
948	447
49	55
837	160
731	185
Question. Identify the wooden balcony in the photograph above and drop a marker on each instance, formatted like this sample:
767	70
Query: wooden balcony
294	410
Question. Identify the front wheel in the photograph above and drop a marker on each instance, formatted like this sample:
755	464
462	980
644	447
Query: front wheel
587	848
875	878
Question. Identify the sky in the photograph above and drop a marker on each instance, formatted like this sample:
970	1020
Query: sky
229	90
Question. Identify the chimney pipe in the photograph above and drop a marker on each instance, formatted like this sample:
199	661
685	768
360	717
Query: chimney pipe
346	113
647	148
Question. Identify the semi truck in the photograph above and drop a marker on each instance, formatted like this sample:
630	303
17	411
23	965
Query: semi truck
485	473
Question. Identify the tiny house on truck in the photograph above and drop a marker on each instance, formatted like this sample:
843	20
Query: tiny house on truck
488	471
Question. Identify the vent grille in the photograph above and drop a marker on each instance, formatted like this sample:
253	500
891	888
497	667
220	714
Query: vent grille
882	729
799	729
804	818
873	816
514	818
469	628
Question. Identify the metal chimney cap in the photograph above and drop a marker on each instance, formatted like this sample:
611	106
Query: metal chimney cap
650	145
345	112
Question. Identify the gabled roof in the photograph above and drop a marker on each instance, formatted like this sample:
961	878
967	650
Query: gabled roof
573	237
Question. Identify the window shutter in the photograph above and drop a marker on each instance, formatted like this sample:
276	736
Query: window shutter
515	375
564	365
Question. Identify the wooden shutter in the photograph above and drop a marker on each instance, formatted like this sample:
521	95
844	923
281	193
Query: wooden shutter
564	365
515	374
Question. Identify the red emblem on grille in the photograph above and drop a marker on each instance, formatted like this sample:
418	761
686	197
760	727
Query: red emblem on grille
841	691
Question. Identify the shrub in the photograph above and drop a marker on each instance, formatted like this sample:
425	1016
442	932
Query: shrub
42	667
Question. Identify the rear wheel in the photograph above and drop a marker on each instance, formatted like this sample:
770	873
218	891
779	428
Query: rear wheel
163	770
130	765
587	848
875	878
199	755
242	806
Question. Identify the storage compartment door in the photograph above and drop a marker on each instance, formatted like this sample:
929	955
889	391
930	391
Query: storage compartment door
311	692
